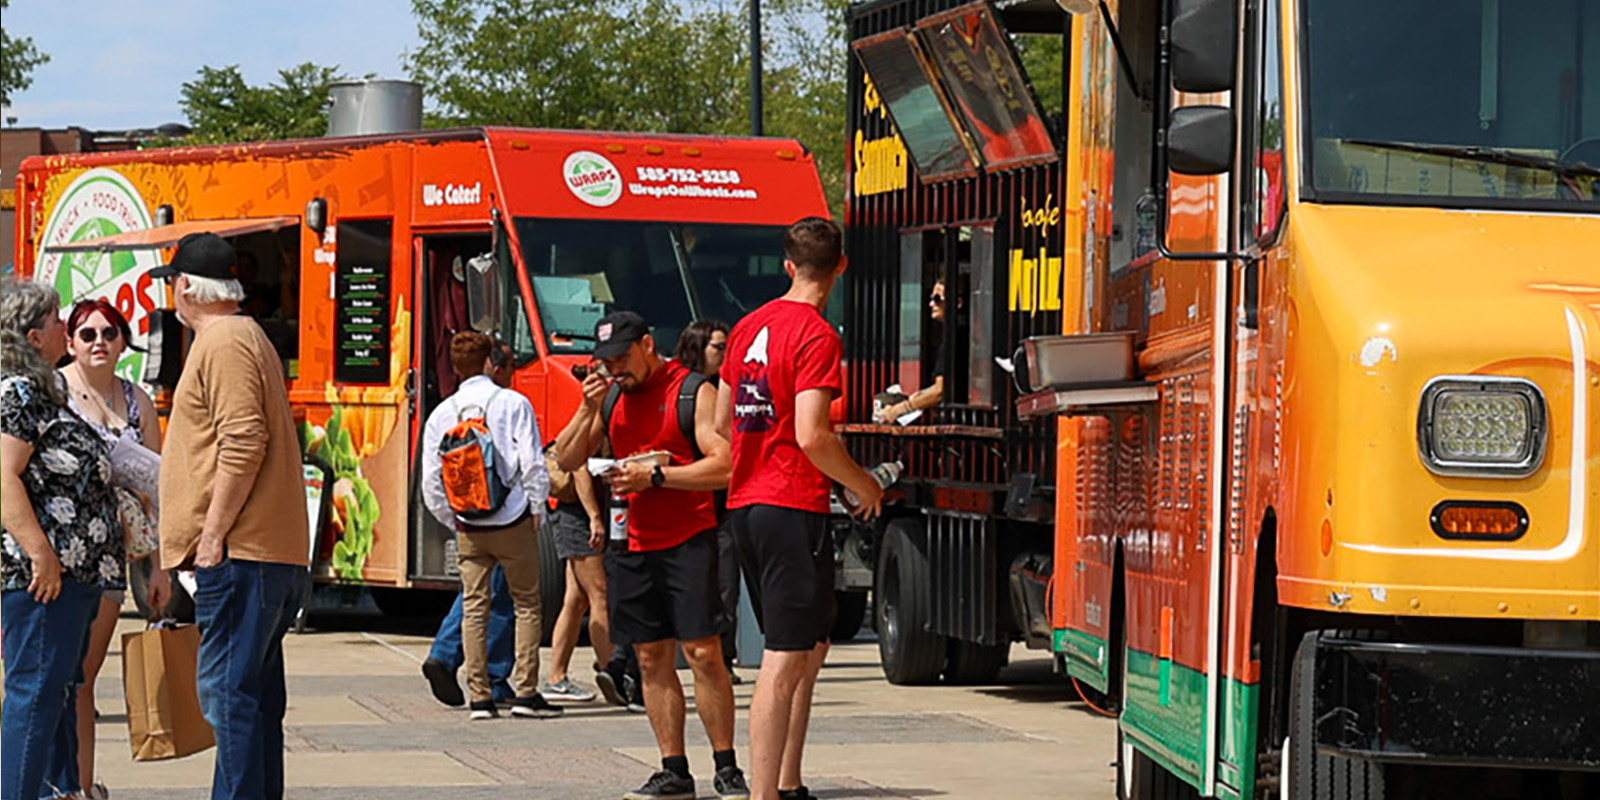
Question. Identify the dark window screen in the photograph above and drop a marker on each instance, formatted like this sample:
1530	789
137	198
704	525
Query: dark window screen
915	105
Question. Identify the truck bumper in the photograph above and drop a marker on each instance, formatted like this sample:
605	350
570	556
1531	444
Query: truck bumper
1448	704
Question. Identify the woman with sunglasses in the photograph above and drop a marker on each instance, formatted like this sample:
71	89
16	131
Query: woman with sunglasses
97	337
932	394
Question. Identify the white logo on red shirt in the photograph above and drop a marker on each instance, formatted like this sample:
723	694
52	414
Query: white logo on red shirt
753	407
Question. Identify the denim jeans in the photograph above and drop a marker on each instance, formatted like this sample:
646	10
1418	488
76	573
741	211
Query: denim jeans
44	647
502	637
244	608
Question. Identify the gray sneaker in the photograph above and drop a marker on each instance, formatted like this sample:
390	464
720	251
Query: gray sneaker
565	689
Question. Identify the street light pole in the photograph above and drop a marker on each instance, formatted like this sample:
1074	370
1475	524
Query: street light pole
755	67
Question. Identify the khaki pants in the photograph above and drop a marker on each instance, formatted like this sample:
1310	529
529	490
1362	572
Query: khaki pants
516	549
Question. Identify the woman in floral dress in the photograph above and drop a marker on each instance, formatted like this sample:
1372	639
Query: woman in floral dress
62	542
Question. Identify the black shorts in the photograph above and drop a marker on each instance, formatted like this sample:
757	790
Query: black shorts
788	563
665	594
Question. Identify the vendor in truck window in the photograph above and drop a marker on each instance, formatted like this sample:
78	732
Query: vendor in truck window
932	394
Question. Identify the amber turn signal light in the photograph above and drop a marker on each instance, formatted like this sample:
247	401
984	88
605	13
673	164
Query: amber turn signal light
1468	519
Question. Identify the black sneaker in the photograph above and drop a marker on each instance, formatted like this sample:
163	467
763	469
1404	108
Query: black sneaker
484	709
664	785
536	707
730	784
442	680
801	793
610	686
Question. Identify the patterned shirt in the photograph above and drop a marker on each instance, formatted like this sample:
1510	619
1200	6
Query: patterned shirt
68	479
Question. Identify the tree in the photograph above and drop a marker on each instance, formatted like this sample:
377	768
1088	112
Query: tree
804	90
221	107
636	65
631	65
18	57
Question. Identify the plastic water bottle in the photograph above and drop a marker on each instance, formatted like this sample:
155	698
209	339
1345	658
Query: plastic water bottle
886	474
617	530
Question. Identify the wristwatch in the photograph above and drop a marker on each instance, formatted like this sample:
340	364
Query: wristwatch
657	477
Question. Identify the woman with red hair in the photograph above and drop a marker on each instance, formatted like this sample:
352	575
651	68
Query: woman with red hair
97	337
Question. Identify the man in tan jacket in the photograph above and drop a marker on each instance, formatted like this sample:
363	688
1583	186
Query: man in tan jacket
230	466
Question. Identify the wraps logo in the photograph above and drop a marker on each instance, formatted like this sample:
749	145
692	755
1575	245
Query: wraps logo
101	202
592	178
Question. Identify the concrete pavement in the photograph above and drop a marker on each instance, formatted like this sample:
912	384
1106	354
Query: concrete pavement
362	724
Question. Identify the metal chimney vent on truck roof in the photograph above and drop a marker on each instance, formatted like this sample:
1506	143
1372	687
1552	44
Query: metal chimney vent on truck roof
363	108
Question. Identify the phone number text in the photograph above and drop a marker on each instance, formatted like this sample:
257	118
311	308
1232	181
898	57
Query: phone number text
683	175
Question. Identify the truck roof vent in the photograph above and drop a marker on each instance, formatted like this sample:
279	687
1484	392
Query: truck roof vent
370	107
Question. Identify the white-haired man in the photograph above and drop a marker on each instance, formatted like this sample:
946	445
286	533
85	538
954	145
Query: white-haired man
230	465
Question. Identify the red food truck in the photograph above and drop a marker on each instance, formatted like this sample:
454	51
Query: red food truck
363	255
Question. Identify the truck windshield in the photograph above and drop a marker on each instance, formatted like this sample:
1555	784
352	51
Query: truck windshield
1477	103
671	273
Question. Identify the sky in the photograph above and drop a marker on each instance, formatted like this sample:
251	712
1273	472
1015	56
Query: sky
121	64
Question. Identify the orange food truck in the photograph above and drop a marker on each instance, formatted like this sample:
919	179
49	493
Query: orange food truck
363	255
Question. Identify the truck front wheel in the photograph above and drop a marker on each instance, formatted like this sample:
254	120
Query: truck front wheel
1311	775
903	585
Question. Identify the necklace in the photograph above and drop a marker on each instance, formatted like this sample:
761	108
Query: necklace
88	393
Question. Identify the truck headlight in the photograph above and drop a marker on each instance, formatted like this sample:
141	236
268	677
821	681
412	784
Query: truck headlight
1482	426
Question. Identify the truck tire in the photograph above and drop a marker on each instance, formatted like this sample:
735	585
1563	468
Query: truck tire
852	606
972	664
1311	775
910	654
552	584
180	607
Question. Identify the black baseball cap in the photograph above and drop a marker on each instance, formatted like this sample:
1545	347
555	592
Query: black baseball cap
206	255
616	332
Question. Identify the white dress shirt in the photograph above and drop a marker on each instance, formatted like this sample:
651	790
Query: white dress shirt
518	451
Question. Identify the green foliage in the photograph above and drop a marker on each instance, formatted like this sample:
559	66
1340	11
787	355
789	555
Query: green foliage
636	65
18	57
805	83
1041	58
221	107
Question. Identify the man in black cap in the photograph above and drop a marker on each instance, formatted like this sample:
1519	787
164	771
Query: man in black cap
229	466
663	589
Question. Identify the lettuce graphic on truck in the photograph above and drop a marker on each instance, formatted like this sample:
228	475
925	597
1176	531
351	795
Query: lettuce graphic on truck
101	202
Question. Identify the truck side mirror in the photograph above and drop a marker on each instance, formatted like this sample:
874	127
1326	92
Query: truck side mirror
1204	33
483	293
1200	140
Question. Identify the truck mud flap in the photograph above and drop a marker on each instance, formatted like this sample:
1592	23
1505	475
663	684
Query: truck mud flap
962	555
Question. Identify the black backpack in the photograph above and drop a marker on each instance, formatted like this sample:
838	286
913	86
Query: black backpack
688	393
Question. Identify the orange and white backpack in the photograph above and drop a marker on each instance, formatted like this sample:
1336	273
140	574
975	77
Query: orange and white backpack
471	482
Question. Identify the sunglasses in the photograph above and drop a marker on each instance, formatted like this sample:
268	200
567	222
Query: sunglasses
719	346
108	334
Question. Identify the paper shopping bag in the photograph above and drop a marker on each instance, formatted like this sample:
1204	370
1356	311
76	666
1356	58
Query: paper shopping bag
159	668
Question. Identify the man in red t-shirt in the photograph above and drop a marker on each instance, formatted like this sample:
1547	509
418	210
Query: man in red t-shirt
663	590
778	383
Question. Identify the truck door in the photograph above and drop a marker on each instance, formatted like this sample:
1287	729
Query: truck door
443	260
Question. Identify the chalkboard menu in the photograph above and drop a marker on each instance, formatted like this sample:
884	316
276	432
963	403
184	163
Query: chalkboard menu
361	297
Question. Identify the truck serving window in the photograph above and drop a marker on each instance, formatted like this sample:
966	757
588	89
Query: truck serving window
670	273
1481	103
